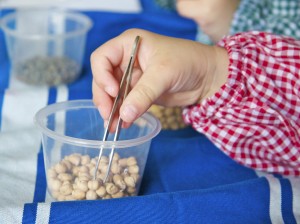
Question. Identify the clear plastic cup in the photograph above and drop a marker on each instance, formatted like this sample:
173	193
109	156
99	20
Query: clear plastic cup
45	46
71	135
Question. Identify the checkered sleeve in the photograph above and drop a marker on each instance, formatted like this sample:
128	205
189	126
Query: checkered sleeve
275	16
255	116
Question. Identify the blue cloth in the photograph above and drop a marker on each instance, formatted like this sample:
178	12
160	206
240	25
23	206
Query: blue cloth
186	179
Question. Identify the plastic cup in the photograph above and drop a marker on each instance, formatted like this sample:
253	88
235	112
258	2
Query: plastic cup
71	137
45	46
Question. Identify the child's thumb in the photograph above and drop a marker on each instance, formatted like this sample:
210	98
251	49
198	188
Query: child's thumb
142	96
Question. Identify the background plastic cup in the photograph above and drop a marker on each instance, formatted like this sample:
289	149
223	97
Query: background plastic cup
45	46
70	135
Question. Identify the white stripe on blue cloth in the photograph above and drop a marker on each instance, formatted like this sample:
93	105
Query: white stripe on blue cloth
43	213
20	143
295	183
275	197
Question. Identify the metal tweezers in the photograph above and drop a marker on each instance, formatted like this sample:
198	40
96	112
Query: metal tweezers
123	91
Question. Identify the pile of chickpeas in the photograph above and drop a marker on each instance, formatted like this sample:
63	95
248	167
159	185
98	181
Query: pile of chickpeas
170	117
73	178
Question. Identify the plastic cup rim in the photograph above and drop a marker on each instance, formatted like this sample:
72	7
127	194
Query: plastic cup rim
74	15
71	104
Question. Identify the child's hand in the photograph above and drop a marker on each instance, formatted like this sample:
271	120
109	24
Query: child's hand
213	16
168	71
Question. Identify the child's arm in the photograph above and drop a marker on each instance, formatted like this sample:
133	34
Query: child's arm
255	117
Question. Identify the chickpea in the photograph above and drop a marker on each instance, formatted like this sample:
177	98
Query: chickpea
74	159
75	170
64	176
92	171
101	176
66	189
174	126
171	120
130	181
168	111
78	194
69	198
74	186
119	194
107	197
82	185
133	169
68	164
98	174
131	161
93	184
83	174
94	161
101	191
55	194
66	182
109	178
164	125
156	110
131	190
61	197
104	159
60	168
91	195
85	159
117	177
76	180
111	188
84	178
90	166
122	162
118	180
116	157
103	168
55	184
115	168
83	169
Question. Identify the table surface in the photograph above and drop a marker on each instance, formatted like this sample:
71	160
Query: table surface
186	179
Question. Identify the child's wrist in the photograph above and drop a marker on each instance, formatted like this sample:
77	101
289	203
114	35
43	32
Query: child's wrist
217	73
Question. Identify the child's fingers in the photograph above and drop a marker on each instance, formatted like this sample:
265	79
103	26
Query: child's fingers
102	101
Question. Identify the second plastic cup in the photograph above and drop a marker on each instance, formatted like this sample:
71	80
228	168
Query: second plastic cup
45	46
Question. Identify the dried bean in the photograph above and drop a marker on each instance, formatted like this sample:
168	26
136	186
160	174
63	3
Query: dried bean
93	184
47	70
78	194
101	191
72	178
91	195
170	117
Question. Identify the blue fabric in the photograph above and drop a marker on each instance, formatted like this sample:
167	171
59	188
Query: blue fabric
287	198
186	179
29	213
245	202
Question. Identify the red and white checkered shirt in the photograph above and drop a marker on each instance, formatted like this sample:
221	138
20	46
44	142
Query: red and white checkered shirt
255	117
